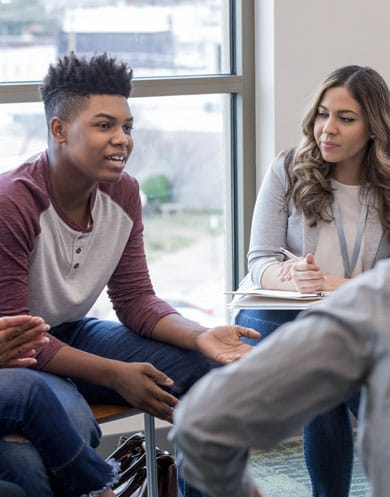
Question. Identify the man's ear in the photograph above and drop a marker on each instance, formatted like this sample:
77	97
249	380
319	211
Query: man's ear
58	129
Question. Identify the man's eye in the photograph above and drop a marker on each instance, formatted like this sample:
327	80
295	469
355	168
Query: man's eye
103	125
127	128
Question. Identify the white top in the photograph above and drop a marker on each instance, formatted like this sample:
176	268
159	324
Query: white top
328	252
277	223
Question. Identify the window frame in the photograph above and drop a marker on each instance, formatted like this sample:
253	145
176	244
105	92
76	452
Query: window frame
241	158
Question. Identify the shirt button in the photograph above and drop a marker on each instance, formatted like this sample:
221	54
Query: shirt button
76	265
78	250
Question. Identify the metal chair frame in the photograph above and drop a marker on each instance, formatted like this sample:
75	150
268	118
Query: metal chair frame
104	413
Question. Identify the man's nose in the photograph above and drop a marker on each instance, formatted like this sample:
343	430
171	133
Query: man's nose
120	136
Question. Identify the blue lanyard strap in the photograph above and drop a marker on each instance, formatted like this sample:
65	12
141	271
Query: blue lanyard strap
350	266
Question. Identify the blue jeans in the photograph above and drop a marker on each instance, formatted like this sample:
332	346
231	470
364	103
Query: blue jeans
11	490
113	340
328	446
327	439
56	455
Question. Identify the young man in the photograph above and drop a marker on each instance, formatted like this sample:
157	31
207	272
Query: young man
70	224
305	368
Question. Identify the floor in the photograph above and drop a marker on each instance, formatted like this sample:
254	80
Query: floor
282	472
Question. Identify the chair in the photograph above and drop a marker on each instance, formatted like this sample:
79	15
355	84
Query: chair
111	412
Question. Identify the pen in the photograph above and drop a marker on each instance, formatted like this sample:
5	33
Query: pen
323	294
289	254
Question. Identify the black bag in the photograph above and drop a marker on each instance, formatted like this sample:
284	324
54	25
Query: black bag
131	456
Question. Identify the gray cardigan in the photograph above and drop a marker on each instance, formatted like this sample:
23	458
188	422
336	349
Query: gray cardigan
277	223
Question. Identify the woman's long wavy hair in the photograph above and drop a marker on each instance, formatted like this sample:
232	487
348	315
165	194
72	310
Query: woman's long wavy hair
310	176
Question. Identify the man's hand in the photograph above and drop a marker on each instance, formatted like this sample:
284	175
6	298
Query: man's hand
138	382
223	343
21	338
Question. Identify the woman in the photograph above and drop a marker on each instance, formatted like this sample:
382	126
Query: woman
327	201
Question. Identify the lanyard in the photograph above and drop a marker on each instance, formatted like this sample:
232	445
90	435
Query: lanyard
350	266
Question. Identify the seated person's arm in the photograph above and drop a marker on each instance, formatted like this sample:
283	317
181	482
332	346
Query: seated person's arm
303	369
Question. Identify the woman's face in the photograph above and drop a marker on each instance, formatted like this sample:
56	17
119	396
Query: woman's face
341	130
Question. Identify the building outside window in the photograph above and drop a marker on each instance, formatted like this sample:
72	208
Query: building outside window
193	116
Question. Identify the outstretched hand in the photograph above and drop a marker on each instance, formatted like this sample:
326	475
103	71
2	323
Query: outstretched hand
223	344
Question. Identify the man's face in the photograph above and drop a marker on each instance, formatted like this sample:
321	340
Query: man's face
98	140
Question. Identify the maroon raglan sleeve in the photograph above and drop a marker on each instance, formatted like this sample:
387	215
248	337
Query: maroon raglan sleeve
21	202
130	287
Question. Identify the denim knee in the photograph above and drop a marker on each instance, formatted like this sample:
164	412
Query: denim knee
20	463
190	367
8	489
263	321
75	406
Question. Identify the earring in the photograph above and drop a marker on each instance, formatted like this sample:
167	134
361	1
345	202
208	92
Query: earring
372	137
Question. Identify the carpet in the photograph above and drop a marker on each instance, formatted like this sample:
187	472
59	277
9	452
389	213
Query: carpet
282	472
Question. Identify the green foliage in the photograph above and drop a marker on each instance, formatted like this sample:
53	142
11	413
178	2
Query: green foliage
158	189
169	234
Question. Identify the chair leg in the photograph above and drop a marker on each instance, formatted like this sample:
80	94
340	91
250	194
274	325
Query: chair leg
150	448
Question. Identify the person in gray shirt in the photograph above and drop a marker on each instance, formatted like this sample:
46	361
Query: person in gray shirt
306	367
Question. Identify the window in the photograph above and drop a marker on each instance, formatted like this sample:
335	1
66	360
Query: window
194	133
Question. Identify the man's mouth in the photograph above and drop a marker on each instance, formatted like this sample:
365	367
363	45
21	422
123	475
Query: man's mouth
120	158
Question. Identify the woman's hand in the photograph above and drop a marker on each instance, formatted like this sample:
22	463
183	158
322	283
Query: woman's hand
223	343
331	282
286	270
21	338
306	275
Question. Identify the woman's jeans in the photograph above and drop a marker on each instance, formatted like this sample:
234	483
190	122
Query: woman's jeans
113	340
327	439
58	453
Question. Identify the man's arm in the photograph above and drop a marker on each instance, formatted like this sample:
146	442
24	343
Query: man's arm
303	369
222	344
137	306
138	383
306	367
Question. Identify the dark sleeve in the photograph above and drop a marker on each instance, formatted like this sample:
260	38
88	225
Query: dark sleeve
130	287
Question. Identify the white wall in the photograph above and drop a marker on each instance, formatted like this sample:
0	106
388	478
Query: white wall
299	42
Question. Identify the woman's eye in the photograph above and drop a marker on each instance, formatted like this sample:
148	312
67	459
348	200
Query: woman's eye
347	119
322	114
103	125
